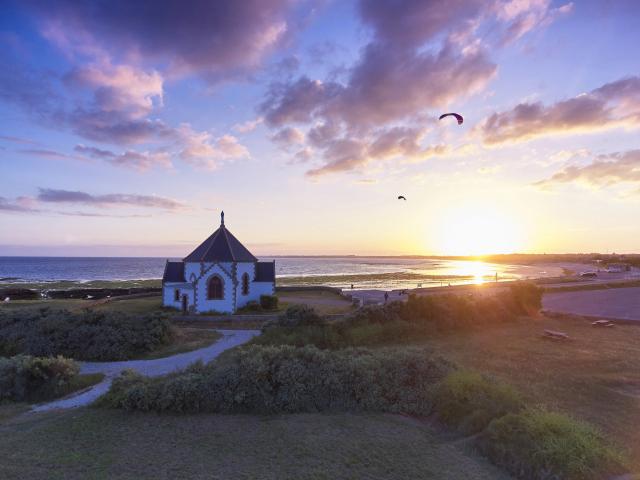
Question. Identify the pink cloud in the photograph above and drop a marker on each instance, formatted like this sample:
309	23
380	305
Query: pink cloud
612	105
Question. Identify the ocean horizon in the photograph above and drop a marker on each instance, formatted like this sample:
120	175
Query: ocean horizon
384	272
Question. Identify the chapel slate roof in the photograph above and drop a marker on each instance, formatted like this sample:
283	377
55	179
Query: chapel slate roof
265	272
221	246
173	272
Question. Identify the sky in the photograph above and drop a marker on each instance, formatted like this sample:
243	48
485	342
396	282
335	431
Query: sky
126	127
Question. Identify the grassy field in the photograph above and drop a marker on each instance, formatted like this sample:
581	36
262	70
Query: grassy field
68	284
324	302
96	444
186	340
595	376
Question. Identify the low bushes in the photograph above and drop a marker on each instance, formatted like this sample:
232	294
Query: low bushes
397	322
25	378
269	302
297	316
285	380
536	445
530	443
88	335
469	401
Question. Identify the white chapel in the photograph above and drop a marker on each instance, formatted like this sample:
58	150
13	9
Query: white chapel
221	275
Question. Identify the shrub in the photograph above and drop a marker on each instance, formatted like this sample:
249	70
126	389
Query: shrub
297	316
88	335
269	302
24	378
287	379
469	401
395	322
536	444
253	306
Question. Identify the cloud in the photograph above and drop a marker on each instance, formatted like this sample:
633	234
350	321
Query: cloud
121	88
137	160
23	141
248	126
603	171
50	154
203	151
288	136
217	40
421	57
526	15
17	206
49	195
121	99
346	154
612	105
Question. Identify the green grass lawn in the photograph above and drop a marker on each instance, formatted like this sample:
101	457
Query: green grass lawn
133	305
324	302
594	377
62	303
97	444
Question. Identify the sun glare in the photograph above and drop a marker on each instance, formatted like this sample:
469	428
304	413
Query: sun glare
477	230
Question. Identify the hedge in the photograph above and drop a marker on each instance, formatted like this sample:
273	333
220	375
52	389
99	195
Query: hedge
24	378
285	379
87	335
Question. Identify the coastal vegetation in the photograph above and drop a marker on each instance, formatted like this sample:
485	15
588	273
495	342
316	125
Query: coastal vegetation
503	390
400	322
85	335
273	380
285	379
24	378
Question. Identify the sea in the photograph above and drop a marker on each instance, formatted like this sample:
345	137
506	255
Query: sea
356	272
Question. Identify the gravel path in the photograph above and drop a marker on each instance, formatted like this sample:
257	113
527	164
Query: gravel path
152	368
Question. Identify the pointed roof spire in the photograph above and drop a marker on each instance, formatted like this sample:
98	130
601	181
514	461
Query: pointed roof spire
222	218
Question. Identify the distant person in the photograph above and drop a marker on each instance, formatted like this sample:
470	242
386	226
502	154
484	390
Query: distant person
496	276
352	286
386	297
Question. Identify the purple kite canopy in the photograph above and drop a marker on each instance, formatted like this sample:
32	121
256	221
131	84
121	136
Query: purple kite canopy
458	117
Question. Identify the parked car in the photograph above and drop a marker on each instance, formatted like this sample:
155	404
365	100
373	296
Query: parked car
589	274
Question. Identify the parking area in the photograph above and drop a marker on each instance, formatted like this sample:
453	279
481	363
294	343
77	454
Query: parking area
622	303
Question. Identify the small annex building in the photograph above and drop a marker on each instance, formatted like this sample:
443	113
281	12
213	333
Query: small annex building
221	275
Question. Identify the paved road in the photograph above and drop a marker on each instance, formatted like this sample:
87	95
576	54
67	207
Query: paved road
152	368
623	303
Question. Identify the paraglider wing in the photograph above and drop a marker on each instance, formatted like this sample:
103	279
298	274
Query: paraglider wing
457	115
401	197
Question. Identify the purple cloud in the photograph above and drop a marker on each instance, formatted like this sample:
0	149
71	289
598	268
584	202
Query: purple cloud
18	206
288	136
137	160
20	140
398	77
50	154
604	171
611	105
49	195
218	40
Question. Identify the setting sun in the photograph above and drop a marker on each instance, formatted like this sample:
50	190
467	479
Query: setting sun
478	230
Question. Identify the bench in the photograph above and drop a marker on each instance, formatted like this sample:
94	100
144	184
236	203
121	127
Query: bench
602	323
552	334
